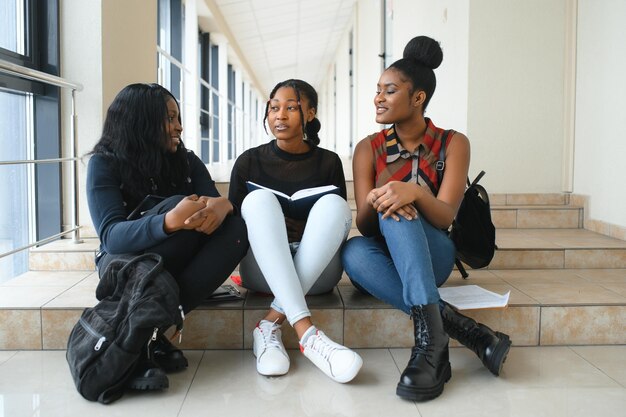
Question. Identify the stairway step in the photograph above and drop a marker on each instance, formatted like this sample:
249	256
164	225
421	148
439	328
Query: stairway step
534	217
526	217
64	255
564	307
517	249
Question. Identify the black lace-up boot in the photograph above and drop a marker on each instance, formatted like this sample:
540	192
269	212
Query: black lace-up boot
148	375
167	356
491	347
429	366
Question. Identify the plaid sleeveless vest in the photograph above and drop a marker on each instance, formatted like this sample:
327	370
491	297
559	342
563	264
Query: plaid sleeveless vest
394	163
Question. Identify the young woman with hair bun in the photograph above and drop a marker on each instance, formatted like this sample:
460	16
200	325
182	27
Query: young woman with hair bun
292	257
403	212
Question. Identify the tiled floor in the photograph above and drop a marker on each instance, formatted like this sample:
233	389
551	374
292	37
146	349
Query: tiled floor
536	381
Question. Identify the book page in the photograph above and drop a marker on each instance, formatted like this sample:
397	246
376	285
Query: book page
470	297
254	185
313	191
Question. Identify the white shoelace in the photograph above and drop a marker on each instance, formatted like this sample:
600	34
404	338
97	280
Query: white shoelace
319	345
269	338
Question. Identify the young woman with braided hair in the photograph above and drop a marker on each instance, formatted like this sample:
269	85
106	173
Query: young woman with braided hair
405	254
289	257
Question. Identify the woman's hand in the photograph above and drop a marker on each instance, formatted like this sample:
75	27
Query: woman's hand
211	215
176	218
295	229
395	199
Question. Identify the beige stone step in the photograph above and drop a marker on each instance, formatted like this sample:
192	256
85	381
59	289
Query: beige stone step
547	307
517	249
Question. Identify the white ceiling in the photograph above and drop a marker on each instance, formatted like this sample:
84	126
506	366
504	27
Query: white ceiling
282	39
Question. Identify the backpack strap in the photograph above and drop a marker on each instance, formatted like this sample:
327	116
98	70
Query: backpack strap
441	163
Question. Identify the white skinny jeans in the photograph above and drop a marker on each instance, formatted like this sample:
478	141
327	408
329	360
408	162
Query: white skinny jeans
290	278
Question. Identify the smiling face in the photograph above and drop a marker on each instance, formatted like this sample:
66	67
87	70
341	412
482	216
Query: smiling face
173	127
283	114
394	100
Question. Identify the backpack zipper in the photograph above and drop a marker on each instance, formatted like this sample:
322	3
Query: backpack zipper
91	331
182	325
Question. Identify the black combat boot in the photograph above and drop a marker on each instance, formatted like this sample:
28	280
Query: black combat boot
429	367
166	355
148	375
491	347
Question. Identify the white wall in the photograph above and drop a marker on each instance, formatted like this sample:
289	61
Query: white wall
600	139
95	52
446	21
516	93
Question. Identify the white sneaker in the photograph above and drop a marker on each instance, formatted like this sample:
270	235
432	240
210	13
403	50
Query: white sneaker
335	360
271	356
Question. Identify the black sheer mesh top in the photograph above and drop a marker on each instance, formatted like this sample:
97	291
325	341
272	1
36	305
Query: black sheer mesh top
272	167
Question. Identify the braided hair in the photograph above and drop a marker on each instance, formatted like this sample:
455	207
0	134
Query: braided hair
420	57
302	88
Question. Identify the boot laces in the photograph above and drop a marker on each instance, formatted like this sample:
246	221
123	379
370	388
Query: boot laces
422	335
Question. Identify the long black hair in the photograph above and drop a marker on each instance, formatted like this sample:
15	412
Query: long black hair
302	88
135	139
420	57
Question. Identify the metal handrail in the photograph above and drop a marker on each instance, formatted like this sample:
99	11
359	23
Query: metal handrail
40	242
31	74
37	161
34	75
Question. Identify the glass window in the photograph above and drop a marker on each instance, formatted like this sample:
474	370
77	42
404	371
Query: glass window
15	111
388	32
215	103
12	23
170	38
30	129
231	112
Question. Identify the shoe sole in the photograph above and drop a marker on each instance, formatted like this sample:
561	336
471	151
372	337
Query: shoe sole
269	373
499	354
349	374
150	384
419	394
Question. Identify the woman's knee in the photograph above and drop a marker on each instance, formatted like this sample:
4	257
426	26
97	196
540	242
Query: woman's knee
354	251
332	203
258	200
235	228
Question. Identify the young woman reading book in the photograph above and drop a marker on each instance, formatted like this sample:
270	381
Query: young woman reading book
293	256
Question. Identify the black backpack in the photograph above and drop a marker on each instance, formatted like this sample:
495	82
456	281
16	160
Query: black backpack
138	298
472	230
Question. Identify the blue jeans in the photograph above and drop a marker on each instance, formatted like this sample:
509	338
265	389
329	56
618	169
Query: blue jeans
405	266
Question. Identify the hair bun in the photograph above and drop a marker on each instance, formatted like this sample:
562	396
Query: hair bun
313	126
424	50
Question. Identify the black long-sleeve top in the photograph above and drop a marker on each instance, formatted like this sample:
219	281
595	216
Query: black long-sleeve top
109	209
270	166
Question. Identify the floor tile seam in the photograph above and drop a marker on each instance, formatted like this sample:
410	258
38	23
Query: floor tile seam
571	348
9	358
193	378
63	292
537	303
588	284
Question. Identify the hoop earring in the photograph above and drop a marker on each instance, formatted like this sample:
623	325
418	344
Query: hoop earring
305	137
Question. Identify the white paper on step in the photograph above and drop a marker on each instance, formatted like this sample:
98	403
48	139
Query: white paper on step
471	297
